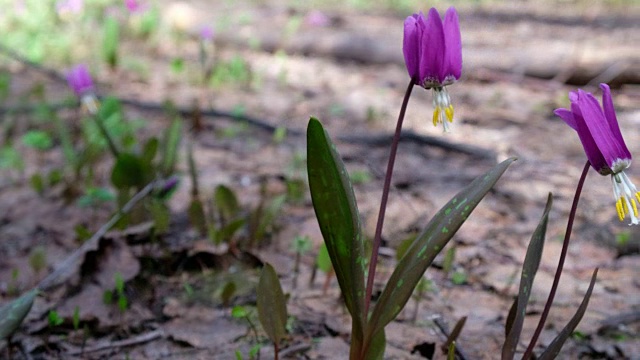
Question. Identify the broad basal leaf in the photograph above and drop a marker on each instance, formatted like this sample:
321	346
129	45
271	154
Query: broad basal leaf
427	245
272	307
337	214
12	314
529	270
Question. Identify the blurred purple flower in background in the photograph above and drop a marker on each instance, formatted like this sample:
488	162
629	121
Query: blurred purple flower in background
133	5
433	56
602	141
69	7
317	18
79	80
206	33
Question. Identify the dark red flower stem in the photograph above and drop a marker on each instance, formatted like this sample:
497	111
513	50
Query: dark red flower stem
563	254
385	196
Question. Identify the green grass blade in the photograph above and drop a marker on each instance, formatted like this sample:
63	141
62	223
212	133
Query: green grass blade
272	307
529	270
554	348
427	245
13	313
337	214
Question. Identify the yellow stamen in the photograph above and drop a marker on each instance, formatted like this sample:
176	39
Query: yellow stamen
449	112
635	208
436	116
620	209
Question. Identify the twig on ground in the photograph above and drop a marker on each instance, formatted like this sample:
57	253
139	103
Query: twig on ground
69	265
295	349
136	340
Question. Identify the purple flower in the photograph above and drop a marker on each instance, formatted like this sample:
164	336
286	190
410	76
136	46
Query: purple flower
133	5
69	7
433	56
602	140
80	81
317	18
206	33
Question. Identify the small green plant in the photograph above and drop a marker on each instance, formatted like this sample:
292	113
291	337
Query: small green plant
111	41
300	246
75	319
117	295
233	71
37	139
95	196
241	313
360	177
272	308
38	259
54	319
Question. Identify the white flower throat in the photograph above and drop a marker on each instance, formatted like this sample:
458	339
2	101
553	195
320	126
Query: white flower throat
442	108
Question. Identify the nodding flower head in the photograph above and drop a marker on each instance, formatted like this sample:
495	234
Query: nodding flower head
598	129
80	82
433	56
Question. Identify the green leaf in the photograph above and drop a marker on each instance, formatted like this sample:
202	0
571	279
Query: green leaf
226	232
239	312
553	349
170	147
529	270
338	217
272	308
109	107
110	41
427	245
150	150
376	349
197	216
226	202
37	139
323	261
13	313
130	171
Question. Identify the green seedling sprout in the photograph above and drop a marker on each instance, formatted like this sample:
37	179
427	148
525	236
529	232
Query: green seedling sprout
75	319
300	246
38	259
240	312
37	139
54	319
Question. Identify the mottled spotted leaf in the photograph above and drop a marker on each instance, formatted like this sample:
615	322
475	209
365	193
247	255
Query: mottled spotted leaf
427	245
529	270
337	214
12	314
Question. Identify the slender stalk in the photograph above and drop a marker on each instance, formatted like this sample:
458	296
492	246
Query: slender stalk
385	196
107	137
563	254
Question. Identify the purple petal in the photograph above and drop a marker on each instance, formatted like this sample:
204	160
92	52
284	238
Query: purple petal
599	128
610	115
432	56
453	45
567	116
411	45
591	149
79	79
